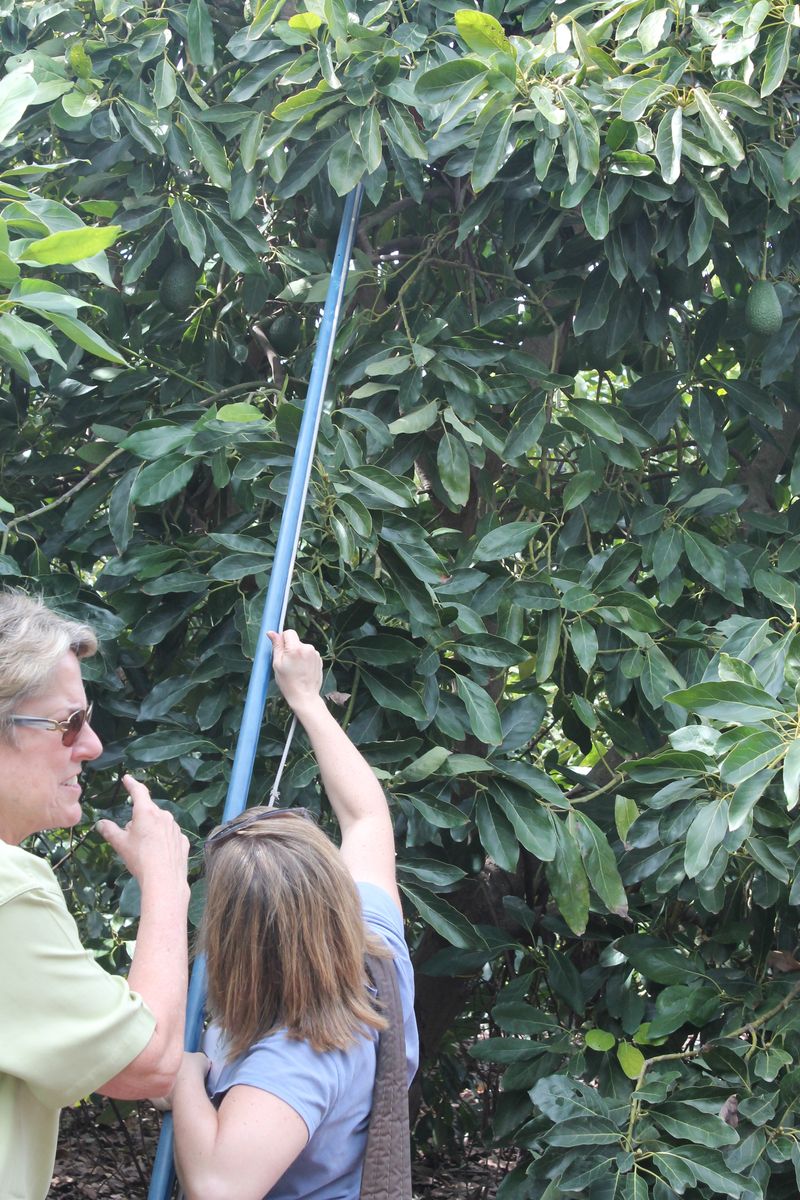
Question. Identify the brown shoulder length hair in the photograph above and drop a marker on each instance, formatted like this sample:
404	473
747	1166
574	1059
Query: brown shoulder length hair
284	938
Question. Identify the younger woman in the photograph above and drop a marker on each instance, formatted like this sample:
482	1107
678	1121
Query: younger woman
288	920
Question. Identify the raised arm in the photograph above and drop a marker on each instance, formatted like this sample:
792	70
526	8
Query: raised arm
354	792
156	852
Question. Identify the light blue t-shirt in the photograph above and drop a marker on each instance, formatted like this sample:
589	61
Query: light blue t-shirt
331	1091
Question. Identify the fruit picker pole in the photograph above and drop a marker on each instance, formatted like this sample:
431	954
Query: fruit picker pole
273	617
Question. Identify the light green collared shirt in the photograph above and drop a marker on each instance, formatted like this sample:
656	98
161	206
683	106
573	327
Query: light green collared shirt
66	1025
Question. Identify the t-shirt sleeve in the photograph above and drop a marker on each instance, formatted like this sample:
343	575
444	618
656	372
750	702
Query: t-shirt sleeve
68	1026
384	917
305	1079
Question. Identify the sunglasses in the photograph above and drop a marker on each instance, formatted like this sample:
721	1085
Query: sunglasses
224	833
69	729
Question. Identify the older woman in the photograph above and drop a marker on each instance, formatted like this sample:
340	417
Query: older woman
68	1027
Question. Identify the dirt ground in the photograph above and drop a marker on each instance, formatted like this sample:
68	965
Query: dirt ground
107	1155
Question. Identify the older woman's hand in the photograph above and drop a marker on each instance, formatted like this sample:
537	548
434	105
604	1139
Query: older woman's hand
152	844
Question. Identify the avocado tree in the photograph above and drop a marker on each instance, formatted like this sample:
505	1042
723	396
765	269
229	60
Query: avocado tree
552	537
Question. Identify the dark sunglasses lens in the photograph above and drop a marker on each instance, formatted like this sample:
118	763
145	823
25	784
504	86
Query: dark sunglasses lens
75	723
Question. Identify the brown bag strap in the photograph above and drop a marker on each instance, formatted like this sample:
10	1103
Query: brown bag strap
387	1162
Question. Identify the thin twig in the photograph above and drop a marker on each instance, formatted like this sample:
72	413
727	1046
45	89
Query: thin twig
45	508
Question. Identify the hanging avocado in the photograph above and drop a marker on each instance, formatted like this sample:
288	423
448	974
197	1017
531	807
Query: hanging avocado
177	289
284	333
762	312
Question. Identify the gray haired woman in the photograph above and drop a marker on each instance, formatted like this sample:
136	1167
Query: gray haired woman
68	1027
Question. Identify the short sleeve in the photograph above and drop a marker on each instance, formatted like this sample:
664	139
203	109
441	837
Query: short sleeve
305	1079
68	1026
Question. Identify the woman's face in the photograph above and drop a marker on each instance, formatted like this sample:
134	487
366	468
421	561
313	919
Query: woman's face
39	786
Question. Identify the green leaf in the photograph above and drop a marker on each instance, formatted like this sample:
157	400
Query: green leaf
393	694
308	22
437	85
599	1039
669	145
163	479
383	650
532	822
705	833
493	147
483	34
505	542
250	141
346	166
190	230
583	127
791	774
548	645
625	813
776	62
639	97
597	295
656	960
28	337
568	881
583	1131
200	33
72	245
791	162
302	168
584	642
163	746
401	129
446	920
488	650
601	865
684	1122
496	833
747	794
120	510
208	150
718	129
382	484
158	440
545	103
667	552
416	421
85	337
452	462
631	1059
595	213
240	412
752	754
484	718
165	84
17	91
437	812
427	764
598	418
728	702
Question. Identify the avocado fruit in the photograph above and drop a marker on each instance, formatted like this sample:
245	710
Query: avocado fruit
284	333
762	310
177	289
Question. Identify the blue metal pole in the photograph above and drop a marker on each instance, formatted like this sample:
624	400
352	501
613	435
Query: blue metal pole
163	1175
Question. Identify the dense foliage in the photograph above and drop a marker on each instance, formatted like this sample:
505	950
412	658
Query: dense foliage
552	541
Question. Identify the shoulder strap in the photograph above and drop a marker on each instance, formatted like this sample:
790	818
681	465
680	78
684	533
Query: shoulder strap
387	1162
